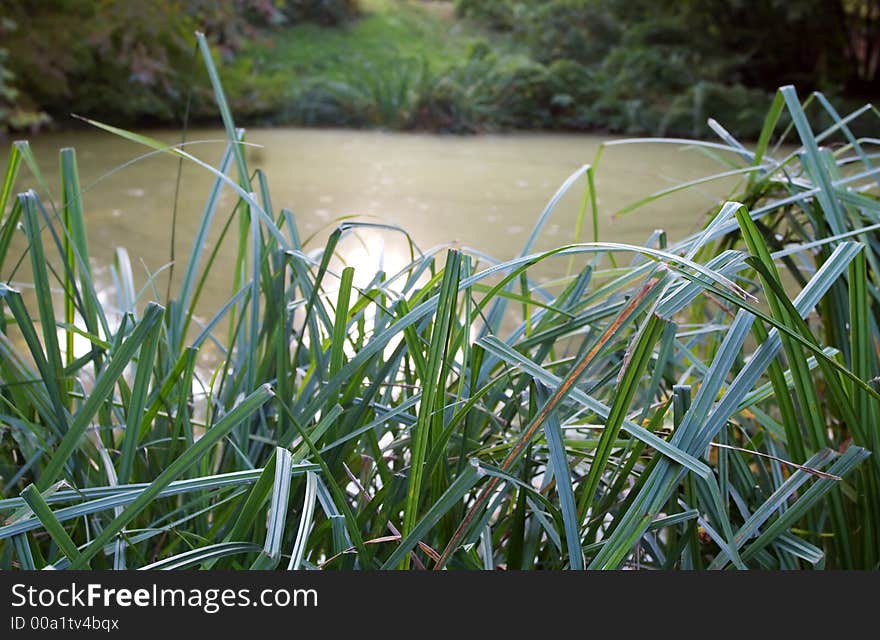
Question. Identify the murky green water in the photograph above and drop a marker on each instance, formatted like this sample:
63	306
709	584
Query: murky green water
483	192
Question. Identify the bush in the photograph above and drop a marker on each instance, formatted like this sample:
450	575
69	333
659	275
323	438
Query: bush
520	91
496	14
460	99
578	30
490	92
14	113
581	30
740	109
575	94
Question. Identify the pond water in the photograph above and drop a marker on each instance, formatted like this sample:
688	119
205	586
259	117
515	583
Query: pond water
484	192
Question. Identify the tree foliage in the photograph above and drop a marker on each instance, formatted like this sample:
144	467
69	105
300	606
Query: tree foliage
827	44
654	65
124	60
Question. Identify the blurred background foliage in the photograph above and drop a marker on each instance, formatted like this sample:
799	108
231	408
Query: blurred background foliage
132	61
653	67
628	66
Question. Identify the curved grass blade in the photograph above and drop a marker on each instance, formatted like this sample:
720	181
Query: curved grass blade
196	557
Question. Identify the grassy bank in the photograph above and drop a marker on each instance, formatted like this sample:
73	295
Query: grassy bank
637	68
661	407
390	68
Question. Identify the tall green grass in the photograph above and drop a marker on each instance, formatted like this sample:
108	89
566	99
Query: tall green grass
706	404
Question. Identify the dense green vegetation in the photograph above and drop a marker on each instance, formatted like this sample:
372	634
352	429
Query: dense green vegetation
640	66
707	404
636	67
133	61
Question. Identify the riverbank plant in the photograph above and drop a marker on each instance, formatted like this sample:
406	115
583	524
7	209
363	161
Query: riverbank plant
705	404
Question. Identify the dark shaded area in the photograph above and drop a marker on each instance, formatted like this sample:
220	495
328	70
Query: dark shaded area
643	66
